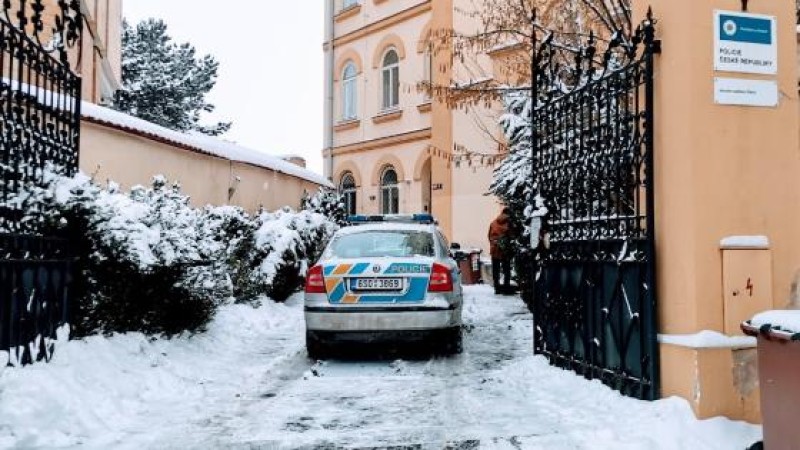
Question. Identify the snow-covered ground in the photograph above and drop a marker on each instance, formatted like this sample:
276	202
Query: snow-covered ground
247	383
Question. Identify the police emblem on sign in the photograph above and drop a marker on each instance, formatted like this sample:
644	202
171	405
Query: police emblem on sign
376	269
730	27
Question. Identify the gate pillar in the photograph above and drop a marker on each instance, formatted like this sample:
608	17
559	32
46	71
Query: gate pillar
726	164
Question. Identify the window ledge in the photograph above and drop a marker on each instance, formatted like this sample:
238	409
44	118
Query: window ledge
388	116
349	124
425	107
348	12
378	2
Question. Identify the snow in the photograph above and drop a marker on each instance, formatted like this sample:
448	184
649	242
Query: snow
472	83
246	383
505	45
707	339
745	242
386	226
786	320
202	143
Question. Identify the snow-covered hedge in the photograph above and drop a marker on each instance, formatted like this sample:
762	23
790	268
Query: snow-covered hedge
148	261
327	202
273	258
512	184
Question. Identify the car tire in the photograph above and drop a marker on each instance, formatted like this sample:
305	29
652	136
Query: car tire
454	344
316	349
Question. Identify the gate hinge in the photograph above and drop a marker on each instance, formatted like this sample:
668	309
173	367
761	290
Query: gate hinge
656	46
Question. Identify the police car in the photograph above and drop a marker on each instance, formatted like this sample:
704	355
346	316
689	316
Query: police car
384	279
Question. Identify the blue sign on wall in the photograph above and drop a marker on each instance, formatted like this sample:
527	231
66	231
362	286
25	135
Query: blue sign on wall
750	30
745	42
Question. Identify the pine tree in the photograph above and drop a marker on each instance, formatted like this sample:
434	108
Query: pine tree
164	82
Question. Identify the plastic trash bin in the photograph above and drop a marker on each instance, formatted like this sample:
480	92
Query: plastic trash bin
470	265
778	334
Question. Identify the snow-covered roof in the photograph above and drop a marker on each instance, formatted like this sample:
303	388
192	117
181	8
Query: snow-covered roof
386	226
199	143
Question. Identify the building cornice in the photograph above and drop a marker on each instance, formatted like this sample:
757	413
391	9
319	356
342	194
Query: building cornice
384	23
347	13
388	141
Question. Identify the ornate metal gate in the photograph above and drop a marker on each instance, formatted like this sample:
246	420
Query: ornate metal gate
40	129
594	299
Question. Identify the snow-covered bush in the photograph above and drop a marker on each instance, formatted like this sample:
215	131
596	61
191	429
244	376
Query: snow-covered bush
140	261
512	182
148	261
275	257
327	202
513	185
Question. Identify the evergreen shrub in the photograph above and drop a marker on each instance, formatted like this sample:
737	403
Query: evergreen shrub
148	261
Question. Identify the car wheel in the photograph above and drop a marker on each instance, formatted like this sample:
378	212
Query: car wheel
315	348
454	344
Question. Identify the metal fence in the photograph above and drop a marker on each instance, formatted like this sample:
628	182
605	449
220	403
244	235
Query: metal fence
594	289
39	132
35	275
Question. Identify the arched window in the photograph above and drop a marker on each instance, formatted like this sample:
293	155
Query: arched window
347	187
390	192
391	79
349	92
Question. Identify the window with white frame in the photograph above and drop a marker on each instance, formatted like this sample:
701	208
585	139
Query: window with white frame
390	80
347	188
349	92
390	191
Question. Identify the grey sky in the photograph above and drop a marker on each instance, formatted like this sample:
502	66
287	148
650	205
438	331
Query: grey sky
270	79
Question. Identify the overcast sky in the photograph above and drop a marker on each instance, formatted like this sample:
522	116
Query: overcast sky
271	66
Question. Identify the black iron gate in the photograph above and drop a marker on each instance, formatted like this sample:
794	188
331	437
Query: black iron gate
594	299
39	135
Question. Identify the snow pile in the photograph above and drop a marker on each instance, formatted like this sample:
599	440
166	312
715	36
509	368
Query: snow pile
98	387
785	320
588	415
247	383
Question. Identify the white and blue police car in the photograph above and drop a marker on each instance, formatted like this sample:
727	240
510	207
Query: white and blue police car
384	279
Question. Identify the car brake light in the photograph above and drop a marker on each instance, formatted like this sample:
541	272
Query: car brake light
315	282
441	279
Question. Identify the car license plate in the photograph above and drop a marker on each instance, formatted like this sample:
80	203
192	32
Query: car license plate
377	284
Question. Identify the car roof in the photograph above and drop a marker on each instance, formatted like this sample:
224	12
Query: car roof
387	226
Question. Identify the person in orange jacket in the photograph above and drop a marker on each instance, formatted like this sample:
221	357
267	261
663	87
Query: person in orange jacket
499	237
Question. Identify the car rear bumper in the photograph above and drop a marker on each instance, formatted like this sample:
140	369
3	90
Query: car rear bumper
382	319
355	339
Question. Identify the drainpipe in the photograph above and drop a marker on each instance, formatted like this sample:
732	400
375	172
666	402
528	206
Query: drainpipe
329	113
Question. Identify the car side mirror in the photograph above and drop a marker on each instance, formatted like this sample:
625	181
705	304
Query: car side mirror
455	246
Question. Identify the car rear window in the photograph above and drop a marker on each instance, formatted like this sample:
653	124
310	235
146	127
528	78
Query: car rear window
388	243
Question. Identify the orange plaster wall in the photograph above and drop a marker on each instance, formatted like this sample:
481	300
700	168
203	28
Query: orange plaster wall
129	160
720	170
